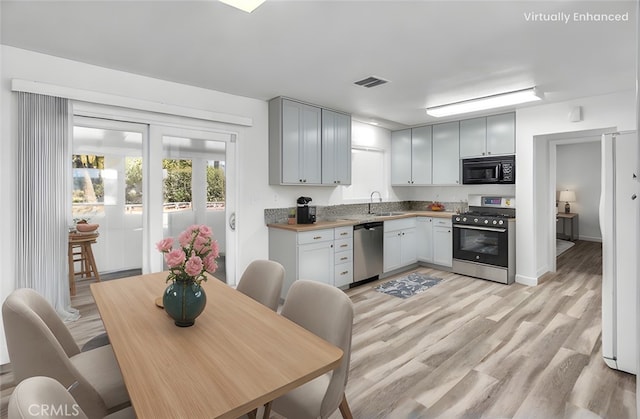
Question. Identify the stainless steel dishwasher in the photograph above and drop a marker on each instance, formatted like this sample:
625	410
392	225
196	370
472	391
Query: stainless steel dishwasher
367	250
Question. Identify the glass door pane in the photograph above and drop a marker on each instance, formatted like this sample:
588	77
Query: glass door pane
194	187
108	190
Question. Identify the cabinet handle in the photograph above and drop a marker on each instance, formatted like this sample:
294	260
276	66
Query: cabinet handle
344	234
344	245
344	272
633	197
408	181
317	237
300	180
344	258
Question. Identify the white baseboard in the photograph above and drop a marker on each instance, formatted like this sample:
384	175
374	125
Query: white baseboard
526	280
591	239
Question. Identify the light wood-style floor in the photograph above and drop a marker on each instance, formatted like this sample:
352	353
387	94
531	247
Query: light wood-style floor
469	348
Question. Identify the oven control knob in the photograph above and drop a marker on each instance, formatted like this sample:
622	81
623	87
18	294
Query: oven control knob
486	221
500	222
457	218
464	219
475	220
495	222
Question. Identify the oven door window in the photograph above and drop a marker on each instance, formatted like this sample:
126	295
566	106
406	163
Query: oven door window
481	245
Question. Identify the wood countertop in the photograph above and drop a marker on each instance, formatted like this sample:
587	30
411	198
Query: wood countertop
359	219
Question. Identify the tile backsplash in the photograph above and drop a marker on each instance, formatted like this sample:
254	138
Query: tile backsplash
332	212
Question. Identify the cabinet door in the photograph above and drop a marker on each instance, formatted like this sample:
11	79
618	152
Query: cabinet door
408	254
401	157
424	239
301	146
473	137
291	141
501	134
421	155
392	251
446	153
316	262
442	246
336	148
311	161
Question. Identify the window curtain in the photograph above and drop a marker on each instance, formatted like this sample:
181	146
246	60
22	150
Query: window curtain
43	156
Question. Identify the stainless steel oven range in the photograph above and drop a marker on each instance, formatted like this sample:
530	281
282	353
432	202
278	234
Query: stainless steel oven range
484	239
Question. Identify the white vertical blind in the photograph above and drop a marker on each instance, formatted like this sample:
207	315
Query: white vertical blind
43	156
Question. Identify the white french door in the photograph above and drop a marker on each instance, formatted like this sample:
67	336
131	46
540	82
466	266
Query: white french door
131	166
205	158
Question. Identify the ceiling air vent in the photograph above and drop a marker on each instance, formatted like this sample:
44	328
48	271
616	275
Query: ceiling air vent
371	81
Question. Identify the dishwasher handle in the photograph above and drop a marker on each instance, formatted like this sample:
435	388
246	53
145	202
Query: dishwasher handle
368	226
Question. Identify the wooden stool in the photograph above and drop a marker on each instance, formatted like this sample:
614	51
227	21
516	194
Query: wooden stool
80	251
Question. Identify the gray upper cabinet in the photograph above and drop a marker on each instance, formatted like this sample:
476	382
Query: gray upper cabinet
501	134
421	155
473	137
401	157
446	153
296	144
411	156
336	148
487	136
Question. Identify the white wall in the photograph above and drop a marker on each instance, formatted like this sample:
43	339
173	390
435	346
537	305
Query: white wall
533	126
578	169
254	194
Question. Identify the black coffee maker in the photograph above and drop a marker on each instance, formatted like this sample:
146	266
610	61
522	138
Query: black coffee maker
306	214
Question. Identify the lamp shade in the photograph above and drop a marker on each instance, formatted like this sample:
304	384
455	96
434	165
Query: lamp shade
567	196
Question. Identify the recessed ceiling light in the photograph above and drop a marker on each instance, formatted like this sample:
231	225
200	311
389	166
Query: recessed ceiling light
487	102
244	5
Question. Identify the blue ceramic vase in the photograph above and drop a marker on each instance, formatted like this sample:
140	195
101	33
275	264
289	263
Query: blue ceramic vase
184	301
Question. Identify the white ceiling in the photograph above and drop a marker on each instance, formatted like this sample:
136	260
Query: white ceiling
432	52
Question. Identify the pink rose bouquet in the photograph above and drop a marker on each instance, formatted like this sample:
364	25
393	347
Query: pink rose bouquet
196	254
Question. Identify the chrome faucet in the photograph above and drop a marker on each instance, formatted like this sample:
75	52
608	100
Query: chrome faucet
371	199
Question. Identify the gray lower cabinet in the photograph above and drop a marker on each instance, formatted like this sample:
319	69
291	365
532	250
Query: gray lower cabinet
324	255
446	153
399	248
435	241
442	242
424	239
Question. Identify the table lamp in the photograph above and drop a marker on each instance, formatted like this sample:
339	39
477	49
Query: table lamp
567	196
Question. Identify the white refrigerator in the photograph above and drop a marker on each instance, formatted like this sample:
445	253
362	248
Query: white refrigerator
618	223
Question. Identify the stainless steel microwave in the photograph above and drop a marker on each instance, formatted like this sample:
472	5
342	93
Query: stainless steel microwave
488	170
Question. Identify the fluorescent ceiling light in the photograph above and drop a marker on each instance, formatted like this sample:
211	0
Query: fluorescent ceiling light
244	5
487	102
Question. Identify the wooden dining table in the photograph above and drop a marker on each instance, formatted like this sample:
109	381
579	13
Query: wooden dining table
238	356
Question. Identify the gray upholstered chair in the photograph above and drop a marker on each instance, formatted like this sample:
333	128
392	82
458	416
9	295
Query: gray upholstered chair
40	344
44	397
262	281
327	312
